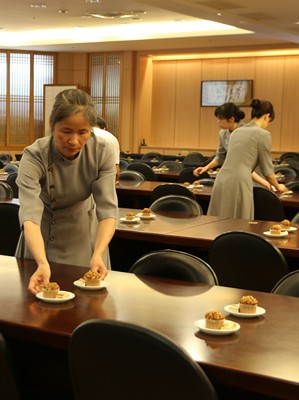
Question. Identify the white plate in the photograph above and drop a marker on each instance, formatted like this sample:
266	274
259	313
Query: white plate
288	192
227	328
282	234
81	284
290	229
131	221
62	297
233	309
151	216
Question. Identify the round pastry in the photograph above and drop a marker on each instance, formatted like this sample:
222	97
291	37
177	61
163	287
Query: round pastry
275	229
248	304
214	320
154	168
285	224
50	290
164	167
186	184
146	212
92	278
196	183
130	216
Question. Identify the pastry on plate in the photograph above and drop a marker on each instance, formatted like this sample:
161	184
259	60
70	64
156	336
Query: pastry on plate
214	320
130	216
275	229
187	184
146	212
285	224
248	305
50	290
196	183
92	278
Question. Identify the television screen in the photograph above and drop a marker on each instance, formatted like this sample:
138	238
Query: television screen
216	93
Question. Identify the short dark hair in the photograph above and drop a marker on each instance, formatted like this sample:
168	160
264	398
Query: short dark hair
229	110
101	123
262	107
70	102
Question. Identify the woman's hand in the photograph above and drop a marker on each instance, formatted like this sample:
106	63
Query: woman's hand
97	265
282	188
199	170
39	278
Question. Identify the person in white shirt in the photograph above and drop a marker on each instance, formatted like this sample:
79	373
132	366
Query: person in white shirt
101	130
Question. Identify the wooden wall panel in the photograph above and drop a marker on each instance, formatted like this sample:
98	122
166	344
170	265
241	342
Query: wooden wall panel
289	107
187	106
269	83
163	104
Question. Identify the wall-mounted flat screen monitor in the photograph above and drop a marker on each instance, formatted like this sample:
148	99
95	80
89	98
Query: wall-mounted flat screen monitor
216	93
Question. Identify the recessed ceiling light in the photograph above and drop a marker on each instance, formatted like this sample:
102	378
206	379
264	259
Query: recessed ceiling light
93	1
63	11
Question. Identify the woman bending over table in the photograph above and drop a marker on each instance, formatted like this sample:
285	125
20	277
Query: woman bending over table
68	202
229	118
249	146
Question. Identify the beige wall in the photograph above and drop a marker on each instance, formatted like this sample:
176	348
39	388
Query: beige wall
161	98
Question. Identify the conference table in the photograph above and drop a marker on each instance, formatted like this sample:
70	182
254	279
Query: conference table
197	231
262	356
139	196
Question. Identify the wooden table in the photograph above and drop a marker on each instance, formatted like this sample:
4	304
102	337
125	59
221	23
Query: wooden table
199	231
140	196
263	356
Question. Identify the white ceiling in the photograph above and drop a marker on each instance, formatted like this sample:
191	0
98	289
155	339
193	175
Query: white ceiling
273	23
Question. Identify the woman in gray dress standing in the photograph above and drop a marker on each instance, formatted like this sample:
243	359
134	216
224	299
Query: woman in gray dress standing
229	117
68	202
249	146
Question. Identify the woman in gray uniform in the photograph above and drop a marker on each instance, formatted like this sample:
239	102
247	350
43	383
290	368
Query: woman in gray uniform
68	202
249	146
229	118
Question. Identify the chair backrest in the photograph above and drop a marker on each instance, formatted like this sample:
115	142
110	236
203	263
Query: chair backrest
152	155
174	264
289	155
172	165
288	285
295	219
181	205
131	178
5	158
11	181
9	228
123	164
267	206
145	169
246	260
186	175
171	188
287	172
9	389
194	158
292	185
207	181
6	192
110	359
294	164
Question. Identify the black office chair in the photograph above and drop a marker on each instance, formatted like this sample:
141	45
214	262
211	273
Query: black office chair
123	164
246	260
287	172
152	156
288	285
289	155
293	185
267	206
9	228
172	165
114	359
294	164
8	384
295	219
145	169
173	264
194	158
130	178
207	181
11	181
5	158
171	188
186	175
6	192
182	205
